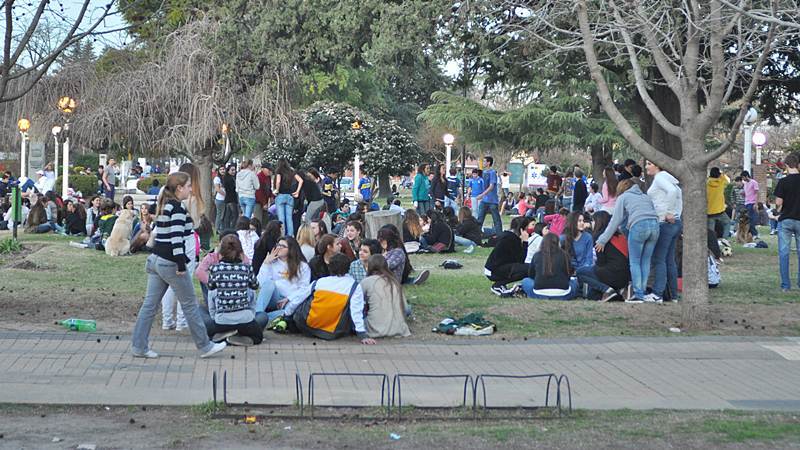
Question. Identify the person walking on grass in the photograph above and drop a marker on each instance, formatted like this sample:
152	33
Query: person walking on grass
166	267
787	200
488	198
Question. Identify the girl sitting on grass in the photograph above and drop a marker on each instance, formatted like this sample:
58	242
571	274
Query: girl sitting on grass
549	275
386	305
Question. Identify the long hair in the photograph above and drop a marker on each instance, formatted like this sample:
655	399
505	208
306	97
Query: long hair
376	265
197	189
323	228
173	181
285	171
391	235
571	231
411	222
125	200
550	249
294	257
324	242
601	220
305	236
624	185
611	181
463	213
270	237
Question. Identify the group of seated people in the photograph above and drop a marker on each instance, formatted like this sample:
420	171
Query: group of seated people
349	285
554	264
439	230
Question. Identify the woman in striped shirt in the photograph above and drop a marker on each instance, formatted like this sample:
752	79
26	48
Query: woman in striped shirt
166	267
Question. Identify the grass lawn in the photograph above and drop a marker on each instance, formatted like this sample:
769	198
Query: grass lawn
133	427
57	281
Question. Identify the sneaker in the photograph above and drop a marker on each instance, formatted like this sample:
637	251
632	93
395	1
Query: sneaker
181	327
241	341
79	245
469	249
610	295
280	326
218	347
634	300
499	290
627	292
422	277
773	232
148	355
274	322
168	326
219	337
652	298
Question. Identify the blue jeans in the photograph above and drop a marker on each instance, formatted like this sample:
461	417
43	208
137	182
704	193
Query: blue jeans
773	225
587	274
642	239
475	206
753	216
246	204
786	228
496	219
451	203
664	265
460	240
284	205
527	286
162	274
423	206
268	298
566	202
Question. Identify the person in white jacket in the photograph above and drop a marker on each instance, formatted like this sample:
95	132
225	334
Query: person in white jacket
667	198
283	273
246	186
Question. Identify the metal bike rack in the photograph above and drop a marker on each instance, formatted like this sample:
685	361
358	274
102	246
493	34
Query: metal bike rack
397	387
481	383
563	378
384	385
298	391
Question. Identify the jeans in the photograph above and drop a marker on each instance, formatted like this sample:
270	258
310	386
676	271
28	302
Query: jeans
109	193
284	204
753	216
664	265
451	203
49	226
230	217
169	303
587	274
312	210
786	228
724	220
460	240
246	204
642	239
220	213
773	225
161	274
527	286
268	295
496	219
423	206
566	202
475	206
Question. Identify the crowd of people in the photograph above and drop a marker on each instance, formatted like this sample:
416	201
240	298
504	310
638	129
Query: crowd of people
604	243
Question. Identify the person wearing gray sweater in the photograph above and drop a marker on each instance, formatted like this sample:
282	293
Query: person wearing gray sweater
668	201
635	210
246	185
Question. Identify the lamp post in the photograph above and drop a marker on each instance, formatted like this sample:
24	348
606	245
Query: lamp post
225	135
448	144
23	125
67	105
749	122
759	139
56	130
355	126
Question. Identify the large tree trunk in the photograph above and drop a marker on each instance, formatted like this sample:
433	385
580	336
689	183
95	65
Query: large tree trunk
601	157
384	185
204	163
694	304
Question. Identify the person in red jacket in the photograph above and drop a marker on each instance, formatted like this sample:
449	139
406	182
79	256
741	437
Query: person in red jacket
264	193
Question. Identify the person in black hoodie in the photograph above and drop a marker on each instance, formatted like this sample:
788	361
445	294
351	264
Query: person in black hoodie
439	185
549	277
611	272
468	230
439	239
264	245
506	263
580	194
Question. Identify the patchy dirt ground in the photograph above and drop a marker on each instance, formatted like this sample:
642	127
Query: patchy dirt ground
56	427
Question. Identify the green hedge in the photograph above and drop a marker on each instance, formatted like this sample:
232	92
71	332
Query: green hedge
87	184
144	183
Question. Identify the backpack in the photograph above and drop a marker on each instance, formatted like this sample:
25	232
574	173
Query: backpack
325	318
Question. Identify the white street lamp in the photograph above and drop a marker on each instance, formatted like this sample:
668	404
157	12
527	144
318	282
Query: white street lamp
759	139
448	143
749	123
67	105
56	130
23	125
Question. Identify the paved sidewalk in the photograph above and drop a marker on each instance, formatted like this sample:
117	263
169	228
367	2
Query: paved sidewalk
605	373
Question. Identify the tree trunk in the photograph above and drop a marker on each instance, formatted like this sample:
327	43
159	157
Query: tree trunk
651	131
384	185
204	163
694	303
600	159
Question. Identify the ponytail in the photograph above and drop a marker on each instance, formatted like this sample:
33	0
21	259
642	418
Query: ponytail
168	193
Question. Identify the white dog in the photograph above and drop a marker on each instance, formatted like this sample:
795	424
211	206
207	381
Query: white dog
119	242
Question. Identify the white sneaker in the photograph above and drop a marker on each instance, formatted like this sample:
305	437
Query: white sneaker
168	326
78	244
652	298
469	249
181	327
422	277
241	341
218	347
148	354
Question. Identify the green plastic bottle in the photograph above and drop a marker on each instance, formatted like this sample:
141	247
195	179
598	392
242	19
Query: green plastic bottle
79	325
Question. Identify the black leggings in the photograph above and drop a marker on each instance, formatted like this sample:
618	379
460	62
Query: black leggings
253	329
509	273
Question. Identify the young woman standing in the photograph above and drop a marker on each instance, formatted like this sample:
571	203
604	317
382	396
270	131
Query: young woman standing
166	267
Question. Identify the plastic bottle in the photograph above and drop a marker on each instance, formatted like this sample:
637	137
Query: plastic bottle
79	325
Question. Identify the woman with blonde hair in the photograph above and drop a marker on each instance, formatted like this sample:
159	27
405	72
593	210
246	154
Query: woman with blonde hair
305	237
412	231
167	268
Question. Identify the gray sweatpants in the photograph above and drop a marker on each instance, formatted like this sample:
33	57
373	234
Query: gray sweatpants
161	274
